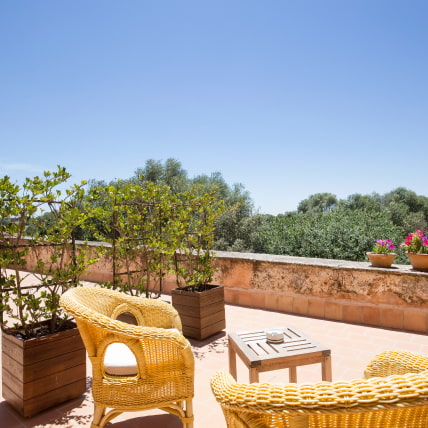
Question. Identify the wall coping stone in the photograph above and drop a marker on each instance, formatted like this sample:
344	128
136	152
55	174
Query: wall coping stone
332	263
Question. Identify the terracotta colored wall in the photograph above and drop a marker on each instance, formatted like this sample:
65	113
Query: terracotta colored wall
330	289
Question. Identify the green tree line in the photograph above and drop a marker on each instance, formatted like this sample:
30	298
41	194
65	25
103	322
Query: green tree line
322	226
327	227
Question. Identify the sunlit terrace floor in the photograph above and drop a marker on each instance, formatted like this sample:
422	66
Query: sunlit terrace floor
352	348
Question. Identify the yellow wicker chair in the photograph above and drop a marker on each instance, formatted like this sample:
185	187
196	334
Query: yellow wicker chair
162	372
394	394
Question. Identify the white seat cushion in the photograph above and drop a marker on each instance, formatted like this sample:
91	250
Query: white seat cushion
119	360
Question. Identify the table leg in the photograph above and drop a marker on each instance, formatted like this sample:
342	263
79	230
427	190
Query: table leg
232	360
254	375
326	369
292	374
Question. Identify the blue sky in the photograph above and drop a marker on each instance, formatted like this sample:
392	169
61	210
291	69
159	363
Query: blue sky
289	98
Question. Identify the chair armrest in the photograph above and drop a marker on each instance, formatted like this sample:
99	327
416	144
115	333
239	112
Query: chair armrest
126	331
157	351
396	363
295	399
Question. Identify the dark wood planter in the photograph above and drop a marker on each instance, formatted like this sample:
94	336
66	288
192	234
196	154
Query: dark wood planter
202	313
41	373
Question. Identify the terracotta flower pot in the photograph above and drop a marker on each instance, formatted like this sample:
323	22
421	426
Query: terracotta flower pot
418	261
381	260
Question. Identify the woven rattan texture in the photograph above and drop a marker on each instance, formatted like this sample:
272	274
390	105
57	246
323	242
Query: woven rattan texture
165	363
396	400
396	362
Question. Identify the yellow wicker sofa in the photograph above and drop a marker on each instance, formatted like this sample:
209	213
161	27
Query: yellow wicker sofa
394	394
158	363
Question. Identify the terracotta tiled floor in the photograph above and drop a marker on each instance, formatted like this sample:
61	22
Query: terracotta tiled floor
352	347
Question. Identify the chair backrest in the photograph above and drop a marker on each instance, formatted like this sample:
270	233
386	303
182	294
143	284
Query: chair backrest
96	311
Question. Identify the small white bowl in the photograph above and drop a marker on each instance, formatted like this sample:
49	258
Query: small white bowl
274	335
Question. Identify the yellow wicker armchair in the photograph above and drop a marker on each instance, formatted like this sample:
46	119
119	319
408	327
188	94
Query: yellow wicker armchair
397	396
160	373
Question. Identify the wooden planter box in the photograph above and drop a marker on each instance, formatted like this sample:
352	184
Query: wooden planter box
41	373
202	313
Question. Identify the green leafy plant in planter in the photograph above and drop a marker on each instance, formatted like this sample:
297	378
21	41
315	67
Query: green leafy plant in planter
136	220
199	303
194	238
37	235
39	261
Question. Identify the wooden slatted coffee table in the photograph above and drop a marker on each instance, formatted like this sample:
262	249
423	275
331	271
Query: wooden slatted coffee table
259	355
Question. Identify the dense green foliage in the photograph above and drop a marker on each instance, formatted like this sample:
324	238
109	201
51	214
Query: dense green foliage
229	235
340	234
230	229
323	226
326	227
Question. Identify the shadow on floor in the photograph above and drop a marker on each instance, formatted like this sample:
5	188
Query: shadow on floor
216	343
154	421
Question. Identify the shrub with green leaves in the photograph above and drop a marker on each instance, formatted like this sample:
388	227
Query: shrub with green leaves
342	233
138	223
25	235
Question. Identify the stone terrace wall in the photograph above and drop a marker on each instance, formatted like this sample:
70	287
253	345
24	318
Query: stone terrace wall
332	289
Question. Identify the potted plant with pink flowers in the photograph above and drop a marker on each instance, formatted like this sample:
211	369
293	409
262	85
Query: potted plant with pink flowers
416	246
382	254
